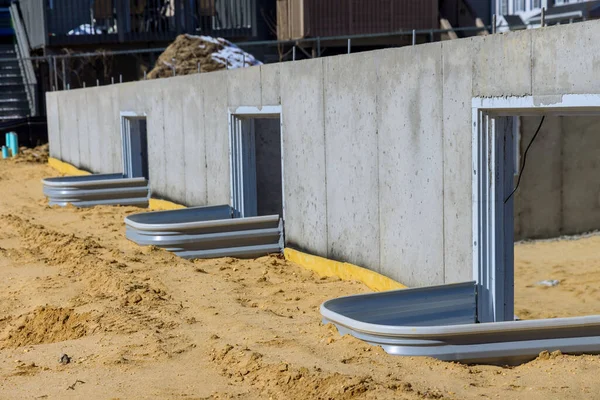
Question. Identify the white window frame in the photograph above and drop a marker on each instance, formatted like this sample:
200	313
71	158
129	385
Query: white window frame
236	117
125	118
492	182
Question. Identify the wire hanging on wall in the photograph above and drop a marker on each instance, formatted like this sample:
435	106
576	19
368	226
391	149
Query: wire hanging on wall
525	159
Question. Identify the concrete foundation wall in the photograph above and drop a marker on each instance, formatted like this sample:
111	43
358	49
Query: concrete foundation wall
376	146
560	188
268	166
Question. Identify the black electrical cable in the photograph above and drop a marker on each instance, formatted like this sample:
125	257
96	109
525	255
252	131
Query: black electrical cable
525	159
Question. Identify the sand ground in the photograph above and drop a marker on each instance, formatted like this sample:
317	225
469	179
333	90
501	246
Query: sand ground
141	323
574	262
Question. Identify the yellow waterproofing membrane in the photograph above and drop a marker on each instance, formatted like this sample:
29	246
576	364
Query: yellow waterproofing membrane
163	205
65	168
68	169
345	271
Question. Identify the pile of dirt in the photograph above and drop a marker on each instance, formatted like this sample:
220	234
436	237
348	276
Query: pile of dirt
284	381
55	246
47	325
38	154
86	259
188	52
574	263
251	327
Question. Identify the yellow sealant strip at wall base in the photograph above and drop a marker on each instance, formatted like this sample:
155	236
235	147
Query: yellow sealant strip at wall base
345	271
320	265
163	205
68	169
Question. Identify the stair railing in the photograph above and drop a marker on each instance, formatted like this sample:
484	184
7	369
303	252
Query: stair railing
24	58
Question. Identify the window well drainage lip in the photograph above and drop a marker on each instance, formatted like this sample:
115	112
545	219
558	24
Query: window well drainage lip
440	322
92	190
198	217
206	232
91	180
462	329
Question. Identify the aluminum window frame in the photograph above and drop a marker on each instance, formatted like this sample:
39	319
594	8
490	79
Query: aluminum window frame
125	118
235	118
493	246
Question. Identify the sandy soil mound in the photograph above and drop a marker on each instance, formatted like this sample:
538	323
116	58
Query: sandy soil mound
139	322
48	325
213	54
574	263
285	381
38	154
58	247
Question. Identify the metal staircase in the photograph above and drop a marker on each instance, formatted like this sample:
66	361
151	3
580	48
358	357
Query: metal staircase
14	100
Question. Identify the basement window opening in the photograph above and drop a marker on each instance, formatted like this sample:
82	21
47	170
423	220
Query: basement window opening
256	161
134	137
550	150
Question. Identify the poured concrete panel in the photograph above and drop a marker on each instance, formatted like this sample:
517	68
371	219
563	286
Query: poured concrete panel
216	127
567	61
105	129
100	152
53	113
304	156
502	65
581	174
243	87
270	84
351	158
114	126
195	144
83	130
94	133
70	127
458	229
538	201
409	122
109	117
152	92
129	97
175	139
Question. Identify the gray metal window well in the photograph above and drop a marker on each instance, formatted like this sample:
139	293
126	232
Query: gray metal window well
440	322
253	225
474	322
128	188
207	232
93	190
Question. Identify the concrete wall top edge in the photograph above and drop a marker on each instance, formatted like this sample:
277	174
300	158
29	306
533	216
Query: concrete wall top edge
508	57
